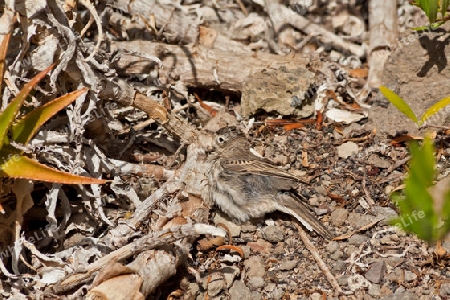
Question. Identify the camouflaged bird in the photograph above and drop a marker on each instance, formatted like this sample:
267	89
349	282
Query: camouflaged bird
246	186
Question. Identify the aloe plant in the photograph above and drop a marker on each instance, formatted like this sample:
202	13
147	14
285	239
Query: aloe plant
418	212
13	162
431	9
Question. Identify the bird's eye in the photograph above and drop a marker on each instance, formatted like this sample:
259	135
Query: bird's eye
220	140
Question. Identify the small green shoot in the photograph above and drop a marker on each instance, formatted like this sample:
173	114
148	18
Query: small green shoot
399	103
418	214
431	9
402	106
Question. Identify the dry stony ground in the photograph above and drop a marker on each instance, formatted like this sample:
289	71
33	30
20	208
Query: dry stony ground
350	194
350	170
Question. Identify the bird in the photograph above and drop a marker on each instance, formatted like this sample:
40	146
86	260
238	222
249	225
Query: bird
245	186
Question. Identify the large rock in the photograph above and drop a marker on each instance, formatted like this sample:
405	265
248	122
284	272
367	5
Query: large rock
282	91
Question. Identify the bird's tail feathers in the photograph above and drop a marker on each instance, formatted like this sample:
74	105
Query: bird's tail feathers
300	210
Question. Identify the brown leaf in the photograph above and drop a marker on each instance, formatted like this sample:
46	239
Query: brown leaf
205	106
319	120
359	73
404	138
232	248
208	243
293	126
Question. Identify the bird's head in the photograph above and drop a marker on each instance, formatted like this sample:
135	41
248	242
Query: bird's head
230	138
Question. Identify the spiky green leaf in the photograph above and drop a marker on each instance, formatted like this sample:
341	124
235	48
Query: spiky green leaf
434	109
17	166
24	129
417	214
399	103
430	7
444	7
9	114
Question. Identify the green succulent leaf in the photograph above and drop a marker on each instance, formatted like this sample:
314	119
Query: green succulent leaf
421	28
12	163
434	109
15	165
422	164
417	214
429	27
25	128
444	7
399	103
430	7
9	114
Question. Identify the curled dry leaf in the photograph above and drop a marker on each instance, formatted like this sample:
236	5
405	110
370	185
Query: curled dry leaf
358	73
206	244
232	248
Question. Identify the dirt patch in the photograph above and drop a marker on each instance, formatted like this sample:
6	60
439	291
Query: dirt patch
417	71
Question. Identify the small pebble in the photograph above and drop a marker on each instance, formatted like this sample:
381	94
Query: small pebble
273	234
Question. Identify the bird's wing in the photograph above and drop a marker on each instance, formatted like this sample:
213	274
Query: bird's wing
256	166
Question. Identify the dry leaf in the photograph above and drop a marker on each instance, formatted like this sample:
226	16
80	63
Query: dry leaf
232	248
208	243
358	73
